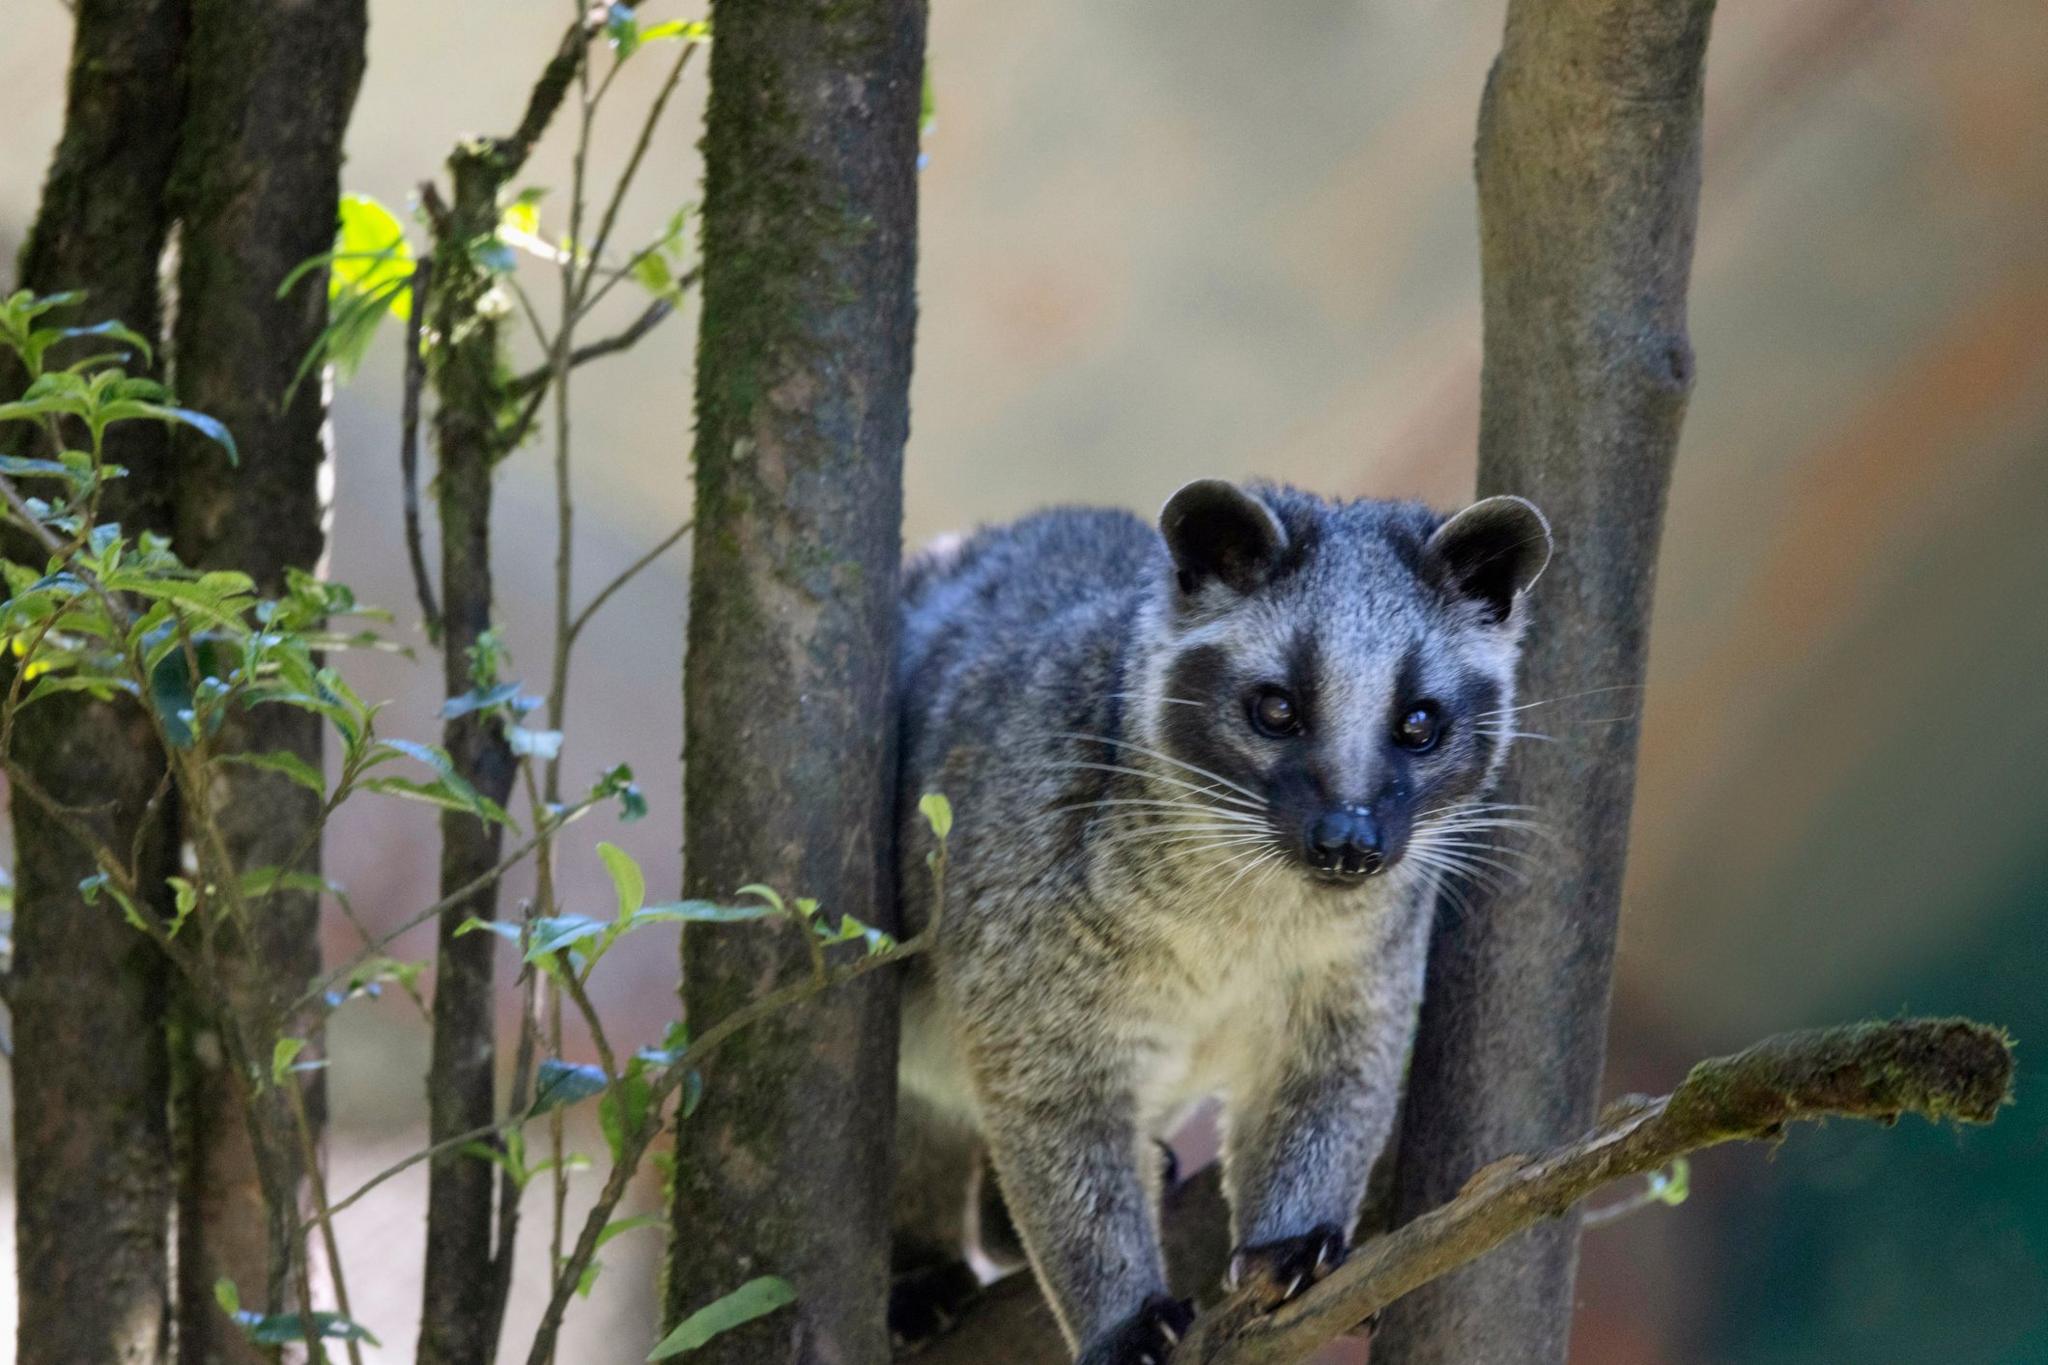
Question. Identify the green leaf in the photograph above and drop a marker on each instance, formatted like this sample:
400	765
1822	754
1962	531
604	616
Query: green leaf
852	929
627	879
622	29
209	427
102	689
558	1083
700	912
264	881
677	30
651	272
450	792
751	1300
184	900
632	805
512	1158
937	812
435	794
369	278
619	1226
208	601
507	931
623	1109
282	1056
553	933
284	1329
285	762
227	1296
479	699
118	332
521	216
372	256
175	698
22	468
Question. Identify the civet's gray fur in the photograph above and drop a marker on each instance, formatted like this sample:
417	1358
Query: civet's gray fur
1132	923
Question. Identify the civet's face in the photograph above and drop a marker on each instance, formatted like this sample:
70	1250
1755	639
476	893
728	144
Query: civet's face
1342	673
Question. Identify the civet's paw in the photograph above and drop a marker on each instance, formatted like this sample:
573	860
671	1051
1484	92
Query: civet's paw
1147	1337
1278	1271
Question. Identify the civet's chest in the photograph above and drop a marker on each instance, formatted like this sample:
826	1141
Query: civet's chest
1229	1013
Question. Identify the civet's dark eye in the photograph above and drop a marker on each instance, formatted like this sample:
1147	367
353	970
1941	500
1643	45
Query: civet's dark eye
1420	729
1274	713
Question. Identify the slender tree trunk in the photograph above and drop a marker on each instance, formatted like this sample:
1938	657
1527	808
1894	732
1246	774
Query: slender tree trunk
269	91
1589	173
803	371
459	1318
91	1129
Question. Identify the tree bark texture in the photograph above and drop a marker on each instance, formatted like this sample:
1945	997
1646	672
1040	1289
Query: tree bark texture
459	1314
803	370
91	1128
1589	174
269	89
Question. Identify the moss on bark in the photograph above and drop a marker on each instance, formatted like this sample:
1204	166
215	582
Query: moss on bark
256	188
803	371
90	1073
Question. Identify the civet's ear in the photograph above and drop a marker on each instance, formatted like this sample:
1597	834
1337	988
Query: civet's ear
1217	532
1491	552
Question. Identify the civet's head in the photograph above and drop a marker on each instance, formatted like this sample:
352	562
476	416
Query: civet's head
1339	676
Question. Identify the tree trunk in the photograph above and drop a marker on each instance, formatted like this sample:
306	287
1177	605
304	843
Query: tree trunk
803	371
91	1130
1589	171
269	90
459	1316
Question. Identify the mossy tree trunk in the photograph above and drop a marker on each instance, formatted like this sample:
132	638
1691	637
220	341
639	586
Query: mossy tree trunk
1589	174
803	371
92	1143
269	89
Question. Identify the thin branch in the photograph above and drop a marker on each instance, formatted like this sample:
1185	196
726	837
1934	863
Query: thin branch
607	1062
625	576
1937	1068
655	314
475	884
412	1159
546	97
634	1144
509	1189
521	425
639	154
409	446
309	1153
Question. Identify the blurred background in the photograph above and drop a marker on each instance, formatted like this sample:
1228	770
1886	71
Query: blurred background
1172	238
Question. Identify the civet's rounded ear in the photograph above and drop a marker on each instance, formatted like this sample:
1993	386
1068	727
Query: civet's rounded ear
1217	532
1492	551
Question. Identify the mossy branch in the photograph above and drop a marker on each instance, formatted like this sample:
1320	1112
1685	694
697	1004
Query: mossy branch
1937	1068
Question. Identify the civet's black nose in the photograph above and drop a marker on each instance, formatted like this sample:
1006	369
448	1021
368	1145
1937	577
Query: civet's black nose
1346	842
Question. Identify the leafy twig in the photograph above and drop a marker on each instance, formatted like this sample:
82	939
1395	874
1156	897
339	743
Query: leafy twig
634	1144
475	884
